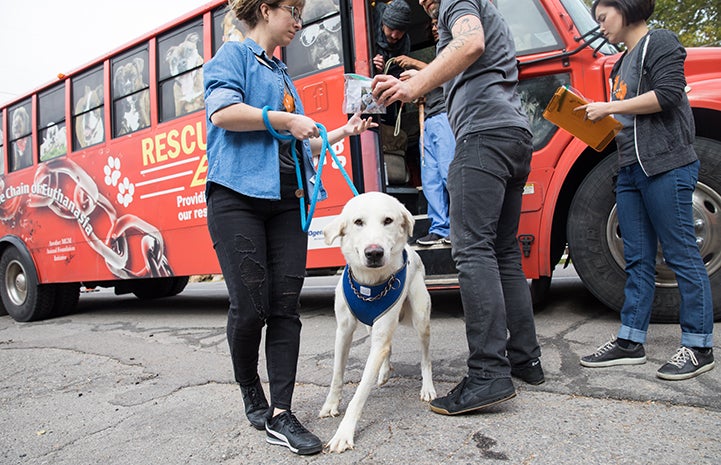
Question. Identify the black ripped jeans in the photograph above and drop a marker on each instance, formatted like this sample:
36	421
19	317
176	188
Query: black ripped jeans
262	253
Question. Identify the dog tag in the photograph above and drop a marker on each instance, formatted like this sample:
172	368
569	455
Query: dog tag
366	291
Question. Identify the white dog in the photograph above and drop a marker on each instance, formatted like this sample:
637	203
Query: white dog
374	230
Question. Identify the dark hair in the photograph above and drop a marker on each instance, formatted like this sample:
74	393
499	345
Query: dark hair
633	11
248	11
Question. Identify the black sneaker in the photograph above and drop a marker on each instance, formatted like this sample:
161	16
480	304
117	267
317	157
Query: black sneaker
531	372
611	354
446	240
429	239
474	394
284	429
686	363
256	406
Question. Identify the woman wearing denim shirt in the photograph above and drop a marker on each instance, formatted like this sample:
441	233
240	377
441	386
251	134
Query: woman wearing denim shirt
253	211
658	171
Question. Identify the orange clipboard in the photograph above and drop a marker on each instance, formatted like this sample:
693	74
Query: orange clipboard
597	134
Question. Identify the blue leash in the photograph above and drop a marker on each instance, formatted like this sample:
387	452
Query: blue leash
305	221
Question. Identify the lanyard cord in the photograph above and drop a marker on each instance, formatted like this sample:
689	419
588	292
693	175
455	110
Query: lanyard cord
305	221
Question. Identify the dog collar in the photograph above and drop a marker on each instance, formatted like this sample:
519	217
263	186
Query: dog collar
368	303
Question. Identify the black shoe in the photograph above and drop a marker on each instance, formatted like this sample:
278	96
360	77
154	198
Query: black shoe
446	240
611	354
531	372
256	406
687	363
429	239
284	429
474	394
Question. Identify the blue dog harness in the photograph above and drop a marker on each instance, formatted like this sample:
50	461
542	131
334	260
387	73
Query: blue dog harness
368	303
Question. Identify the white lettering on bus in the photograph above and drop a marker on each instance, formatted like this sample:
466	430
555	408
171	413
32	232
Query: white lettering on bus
12	191
169	145
64	201
194	199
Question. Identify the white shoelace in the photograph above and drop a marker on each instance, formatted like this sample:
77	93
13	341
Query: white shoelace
605	347
682	355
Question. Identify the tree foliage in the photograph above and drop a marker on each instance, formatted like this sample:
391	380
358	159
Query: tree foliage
697	22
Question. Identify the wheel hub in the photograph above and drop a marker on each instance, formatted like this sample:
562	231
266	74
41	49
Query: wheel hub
706	214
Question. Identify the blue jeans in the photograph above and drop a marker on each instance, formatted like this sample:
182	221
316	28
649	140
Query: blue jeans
262	252
485	182
653	209
439	145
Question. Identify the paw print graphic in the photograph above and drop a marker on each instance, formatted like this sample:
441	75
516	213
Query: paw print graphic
112	171
126	189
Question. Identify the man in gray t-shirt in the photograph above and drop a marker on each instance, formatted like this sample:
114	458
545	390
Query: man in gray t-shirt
476	64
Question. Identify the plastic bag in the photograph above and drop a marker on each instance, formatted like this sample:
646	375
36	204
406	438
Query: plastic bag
357	96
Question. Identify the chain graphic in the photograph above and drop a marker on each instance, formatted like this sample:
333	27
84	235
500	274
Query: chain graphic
69	191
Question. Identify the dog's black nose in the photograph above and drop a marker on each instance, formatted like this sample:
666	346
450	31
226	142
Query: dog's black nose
374	254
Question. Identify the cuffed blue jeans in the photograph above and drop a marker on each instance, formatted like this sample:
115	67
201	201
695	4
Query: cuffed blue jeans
485	182
262	253
439	145
653	209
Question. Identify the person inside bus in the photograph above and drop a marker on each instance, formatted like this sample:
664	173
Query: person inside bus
658	171
477	62
391	21
254	210
438	146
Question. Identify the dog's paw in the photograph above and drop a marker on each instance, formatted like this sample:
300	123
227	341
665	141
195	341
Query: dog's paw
328	410
340	442
384	374
428	393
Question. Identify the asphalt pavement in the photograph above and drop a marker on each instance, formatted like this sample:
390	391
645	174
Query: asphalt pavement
128	382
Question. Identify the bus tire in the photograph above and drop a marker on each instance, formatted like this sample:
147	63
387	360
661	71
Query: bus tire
596	245
539	291
66	300
22	296
156	288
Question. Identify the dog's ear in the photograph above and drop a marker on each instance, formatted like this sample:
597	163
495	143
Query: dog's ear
408	221
334	229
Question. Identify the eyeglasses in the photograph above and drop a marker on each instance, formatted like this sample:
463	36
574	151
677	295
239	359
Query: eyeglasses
309	34
294	12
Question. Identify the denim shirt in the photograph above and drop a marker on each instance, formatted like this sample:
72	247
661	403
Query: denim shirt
247	162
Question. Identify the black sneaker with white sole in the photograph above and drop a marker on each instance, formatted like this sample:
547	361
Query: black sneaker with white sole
284	429
531	372
611	354
687	363
429	239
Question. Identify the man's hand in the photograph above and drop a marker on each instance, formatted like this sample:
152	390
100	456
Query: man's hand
388	89
379	62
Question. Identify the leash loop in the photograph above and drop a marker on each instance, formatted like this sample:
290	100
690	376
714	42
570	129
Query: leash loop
305	219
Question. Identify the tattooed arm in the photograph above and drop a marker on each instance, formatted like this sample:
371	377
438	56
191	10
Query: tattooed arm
467	45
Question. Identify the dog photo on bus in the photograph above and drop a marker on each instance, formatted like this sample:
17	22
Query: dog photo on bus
21	148
134	110
185	63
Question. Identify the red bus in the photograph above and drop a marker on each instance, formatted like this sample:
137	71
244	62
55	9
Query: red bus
103	170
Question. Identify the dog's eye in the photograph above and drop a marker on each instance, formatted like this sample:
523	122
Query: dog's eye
358	222
387	221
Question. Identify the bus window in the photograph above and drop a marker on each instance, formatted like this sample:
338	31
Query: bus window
52	134
226	27
88	102
316	47
21	147
180	71
131	95
532	30
535	94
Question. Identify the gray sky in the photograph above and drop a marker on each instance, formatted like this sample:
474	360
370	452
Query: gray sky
41	38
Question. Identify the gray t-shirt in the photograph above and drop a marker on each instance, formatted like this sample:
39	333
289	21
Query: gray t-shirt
625	86
484	96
